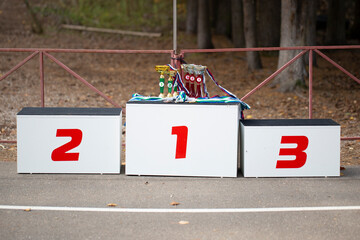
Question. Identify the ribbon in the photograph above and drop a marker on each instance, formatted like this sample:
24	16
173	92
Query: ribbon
217	84
179	81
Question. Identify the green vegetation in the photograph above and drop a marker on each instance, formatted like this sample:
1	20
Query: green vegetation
143	15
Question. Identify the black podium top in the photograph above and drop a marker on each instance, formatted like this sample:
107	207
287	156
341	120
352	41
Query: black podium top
70	111
288	122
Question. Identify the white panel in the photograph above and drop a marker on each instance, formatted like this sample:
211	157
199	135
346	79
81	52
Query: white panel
261	146
212	144
99	150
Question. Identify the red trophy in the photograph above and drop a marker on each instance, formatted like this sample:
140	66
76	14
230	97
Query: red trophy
192	85
199	72
199	80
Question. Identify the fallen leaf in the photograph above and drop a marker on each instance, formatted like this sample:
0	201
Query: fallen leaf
341	174
342	168
248	116
82	98
27	210
184	222
112	205
174	203
146	183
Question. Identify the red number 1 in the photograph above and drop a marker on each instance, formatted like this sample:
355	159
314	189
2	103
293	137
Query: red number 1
182	134
61	153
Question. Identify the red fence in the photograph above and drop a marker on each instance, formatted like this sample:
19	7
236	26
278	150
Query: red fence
175	61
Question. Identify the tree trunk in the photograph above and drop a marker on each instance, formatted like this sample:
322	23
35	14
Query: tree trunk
237	23
335	27
191	16
310	33
213	12
355	29
253	58
36	26
269	19
293	15
204	30
223	19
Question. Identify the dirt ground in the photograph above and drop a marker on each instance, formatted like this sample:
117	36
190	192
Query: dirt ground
335	95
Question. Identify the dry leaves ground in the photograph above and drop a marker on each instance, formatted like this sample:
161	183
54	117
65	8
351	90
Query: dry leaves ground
335	96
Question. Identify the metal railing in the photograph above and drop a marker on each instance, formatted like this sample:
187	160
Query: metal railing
304	49
175	61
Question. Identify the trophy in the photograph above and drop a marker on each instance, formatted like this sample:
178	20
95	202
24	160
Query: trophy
194	75
170	84
199	73
175	94
162	69
189	78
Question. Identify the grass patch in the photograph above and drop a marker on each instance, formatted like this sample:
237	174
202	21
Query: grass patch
138	15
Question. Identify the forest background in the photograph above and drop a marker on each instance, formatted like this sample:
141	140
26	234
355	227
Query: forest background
247	23
201	24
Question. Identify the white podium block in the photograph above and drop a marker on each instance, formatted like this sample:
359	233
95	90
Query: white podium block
290	148
69	140
182	139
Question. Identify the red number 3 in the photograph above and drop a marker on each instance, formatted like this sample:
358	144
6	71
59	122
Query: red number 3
61	153
300	156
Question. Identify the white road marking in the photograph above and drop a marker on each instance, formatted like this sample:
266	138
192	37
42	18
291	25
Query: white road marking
183	210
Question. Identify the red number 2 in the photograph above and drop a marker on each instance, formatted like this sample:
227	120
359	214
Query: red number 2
182	134
61	153
300	156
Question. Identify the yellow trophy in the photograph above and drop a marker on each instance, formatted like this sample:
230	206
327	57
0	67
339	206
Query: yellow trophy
172	74
162	69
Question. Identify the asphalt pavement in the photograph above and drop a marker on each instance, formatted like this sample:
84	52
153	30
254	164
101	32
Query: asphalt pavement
61	206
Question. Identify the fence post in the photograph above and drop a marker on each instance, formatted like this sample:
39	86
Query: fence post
176	60
310	81
41	69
